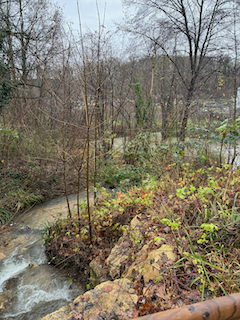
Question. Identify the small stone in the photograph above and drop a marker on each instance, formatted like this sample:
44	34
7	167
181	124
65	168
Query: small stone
2	256
34	265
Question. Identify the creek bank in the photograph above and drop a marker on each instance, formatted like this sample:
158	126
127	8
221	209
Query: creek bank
133	265
119	299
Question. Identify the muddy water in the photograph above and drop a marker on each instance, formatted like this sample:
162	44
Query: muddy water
227	153
30	288
49	211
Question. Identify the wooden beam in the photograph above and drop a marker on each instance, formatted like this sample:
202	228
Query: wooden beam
223	308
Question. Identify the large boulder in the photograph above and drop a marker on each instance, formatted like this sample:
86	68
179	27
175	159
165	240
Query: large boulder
109	300
150	263
152	256
133	235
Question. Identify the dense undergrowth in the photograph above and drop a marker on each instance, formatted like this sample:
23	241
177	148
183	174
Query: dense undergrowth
191	205
24	185
144	156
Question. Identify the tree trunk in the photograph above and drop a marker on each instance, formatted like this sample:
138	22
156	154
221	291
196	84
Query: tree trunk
23	46
186	111
235	80
165	124
10	44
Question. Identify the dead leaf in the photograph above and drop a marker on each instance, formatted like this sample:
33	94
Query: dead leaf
161	293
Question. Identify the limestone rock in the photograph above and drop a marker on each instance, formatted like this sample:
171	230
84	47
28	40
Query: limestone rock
62	313
120	253
149	263
135	227
98	273
109	300
118	257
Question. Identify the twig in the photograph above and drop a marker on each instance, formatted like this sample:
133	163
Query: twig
2	231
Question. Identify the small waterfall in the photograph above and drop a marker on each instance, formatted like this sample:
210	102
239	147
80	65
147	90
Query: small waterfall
35	288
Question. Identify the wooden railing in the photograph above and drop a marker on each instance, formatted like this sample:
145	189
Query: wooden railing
224	308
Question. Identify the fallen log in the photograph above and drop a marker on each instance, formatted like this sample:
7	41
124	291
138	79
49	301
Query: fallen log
223	308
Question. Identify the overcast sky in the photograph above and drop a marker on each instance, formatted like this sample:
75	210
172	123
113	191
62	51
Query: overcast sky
88	12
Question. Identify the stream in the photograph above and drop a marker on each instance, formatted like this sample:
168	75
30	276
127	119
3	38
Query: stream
30	288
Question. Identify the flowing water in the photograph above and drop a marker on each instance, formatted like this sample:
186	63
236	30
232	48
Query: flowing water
30	288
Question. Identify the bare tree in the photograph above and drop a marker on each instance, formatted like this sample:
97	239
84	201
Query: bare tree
33	28
198	27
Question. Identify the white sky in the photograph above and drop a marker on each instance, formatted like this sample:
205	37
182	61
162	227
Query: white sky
88	12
